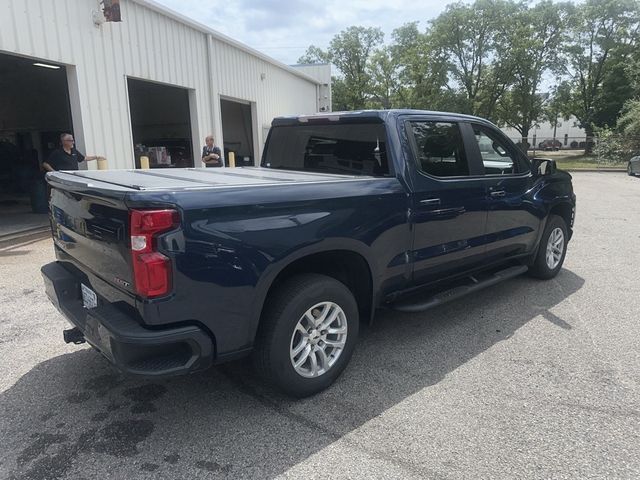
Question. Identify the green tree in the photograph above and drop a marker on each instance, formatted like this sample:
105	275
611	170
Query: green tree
633	71
474	41
536	36
350	52
602	33
629	125
339	94
383	70
422	73
615	91
314	55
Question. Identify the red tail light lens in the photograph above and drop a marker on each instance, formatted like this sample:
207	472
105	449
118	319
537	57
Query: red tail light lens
151	269
152	274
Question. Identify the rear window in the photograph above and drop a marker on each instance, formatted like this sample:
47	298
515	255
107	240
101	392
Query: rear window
347	149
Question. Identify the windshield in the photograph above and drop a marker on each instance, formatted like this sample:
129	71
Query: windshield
348	149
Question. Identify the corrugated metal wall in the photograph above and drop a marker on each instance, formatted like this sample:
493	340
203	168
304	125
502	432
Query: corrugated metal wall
150	46
322	73
277	92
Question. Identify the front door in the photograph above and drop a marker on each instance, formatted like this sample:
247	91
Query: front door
512	219
448	204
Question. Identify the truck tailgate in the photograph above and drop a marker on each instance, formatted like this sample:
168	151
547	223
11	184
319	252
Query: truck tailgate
89	222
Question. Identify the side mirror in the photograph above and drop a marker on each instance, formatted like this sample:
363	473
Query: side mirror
544	166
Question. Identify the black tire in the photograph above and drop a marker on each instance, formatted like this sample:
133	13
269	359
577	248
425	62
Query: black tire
283	311
540	269
630	170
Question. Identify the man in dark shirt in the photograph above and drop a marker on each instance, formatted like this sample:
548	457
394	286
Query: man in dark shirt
66	157
211	155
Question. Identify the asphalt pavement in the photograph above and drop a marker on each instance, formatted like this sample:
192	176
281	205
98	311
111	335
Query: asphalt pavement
527	379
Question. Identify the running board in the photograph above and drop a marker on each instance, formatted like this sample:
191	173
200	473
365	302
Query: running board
459	291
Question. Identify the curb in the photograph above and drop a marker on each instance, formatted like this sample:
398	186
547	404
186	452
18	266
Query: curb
594	169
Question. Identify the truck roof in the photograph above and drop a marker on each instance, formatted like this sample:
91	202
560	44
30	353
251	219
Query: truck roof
365	115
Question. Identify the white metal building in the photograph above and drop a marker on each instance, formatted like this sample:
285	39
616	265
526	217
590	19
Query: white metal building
567	132
322	73
156	78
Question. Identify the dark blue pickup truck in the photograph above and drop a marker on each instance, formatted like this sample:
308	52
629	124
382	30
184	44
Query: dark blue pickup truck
169	271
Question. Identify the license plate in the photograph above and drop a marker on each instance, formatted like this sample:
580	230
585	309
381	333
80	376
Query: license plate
89	297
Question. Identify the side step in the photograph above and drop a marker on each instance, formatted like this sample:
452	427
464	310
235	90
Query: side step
459	291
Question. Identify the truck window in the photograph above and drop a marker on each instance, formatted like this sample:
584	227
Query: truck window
497	155
439	149
347	149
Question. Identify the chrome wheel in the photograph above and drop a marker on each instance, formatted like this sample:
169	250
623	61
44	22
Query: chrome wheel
318	339
555	248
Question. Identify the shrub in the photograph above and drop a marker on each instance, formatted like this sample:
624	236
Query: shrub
612	147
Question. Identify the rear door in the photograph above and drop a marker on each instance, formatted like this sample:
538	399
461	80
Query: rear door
512	220
448	211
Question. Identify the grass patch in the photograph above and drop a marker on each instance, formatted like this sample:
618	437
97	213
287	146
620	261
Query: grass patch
576	161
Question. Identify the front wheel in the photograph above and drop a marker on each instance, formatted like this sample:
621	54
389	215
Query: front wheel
630	170
307	334
552	249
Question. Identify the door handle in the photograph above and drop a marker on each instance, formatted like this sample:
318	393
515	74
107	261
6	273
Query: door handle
430	201
498	193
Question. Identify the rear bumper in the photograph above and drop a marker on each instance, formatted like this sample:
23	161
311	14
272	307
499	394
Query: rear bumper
121	339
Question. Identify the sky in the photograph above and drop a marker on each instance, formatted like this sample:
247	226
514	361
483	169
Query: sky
283	29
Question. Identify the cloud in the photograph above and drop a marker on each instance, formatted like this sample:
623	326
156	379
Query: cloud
283	29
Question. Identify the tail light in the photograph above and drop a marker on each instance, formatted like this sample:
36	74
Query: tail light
151	269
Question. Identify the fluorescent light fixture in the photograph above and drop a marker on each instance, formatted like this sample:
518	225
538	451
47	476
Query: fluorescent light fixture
46	65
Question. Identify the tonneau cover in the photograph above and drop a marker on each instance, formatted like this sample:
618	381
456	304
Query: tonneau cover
188	178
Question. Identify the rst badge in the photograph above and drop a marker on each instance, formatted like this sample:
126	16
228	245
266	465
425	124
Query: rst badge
119	281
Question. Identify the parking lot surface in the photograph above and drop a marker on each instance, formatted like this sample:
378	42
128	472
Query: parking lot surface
527	379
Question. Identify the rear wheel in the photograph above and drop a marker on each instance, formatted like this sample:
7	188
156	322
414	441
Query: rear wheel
307	334
552	249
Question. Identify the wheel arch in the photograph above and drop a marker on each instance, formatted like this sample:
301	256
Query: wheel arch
565	210
348	264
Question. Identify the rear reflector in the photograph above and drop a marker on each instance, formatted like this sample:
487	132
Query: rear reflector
151	269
